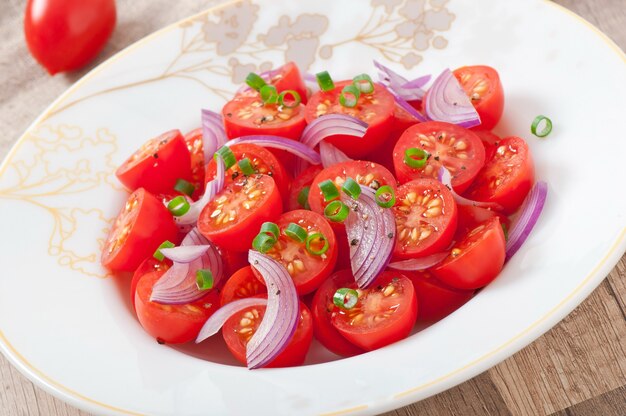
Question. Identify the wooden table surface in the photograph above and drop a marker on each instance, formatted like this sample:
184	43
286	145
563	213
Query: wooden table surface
577	368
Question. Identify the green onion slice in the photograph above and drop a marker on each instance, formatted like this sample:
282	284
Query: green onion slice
246	167
166	244
269	95
385	196
178	206
293	103
204	279
263	242
184	187
415	157
329	190
303	197
325	81
349	96
295	232
314	240
541	127
271	229
227	155
254	81
351	188
336	211
346	298
364	83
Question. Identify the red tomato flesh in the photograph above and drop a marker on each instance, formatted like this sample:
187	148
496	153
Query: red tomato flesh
484	89
242	284
436	299
303	180
196	151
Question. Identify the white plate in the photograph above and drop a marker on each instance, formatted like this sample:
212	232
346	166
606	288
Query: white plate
69	328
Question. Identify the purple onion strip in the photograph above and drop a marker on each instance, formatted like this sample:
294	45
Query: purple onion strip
528	215
219	318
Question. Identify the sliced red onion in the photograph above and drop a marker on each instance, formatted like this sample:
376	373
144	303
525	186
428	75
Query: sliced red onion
213	133
281	316
219	318
276	142
446	101
371	232
184	254
445	177
309	77
407	90
418	82
409	108
331	155
211	189
528	215
421	263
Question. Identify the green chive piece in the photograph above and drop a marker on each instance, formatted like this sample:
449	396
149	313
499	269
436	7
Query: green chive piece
541	127
505	230
303	198
385	196
336	211
204	279
349	96
329	190
254	81
166	244
184	187
246	167
295	232
269	95
178	206
345	298
227	155
416	158
325	81
270	228
351	188
263	242
316	239
364	83
295	99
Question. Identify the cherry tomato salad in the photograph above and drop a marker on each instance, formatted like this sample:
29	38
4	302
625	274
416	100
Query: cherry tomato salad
347	214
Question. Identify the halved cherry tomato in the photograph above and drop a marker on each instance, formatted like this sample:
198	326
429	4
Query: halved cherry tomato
507	178
287	77
141	226
242	284
233	218
157	164
261	159
435	298
376	109
240	327
307	270
303	180
475	260
471	216
484	89
385	313
149	265
196	151
451	146
233	260
171	324
426	218
322	308
490	142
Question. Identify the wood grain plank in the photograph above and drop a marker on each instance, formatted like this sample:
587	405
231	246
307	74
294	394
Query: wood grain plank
612	403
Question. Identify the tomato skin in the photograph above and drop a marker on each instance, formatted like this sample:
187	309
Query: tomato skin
157	164
322	307
148	223
436	300
288	77
64	35
242	284
490	142
147	266
304	179
171	324
471	217
379	117
196	151
469	269
489	101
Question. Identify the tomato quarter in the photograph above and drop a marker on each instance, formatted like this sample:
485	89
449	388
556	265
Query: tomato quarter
303	180
436	299
242	284
484	89
147	266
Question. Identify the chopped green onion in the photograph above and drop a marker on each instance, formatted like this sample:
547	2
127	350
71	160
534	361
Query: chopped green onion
311	240
346	298
415	157
505	230
204	279
271	229
349	96
351	188
325	81
544	130
336	211
184	187
178	206
263	242
246	166
303	198
227	155
295	232
364	83
329	190
269	95
385	197
166	244
254	81
296	100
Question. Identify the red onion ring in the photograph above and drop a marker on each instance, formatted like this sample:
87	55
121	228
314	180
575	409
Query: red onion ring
331	155
276	142
528	215
446	101
212	188
407	90
217	320
184	254
281	316
421	263
445	177
213	133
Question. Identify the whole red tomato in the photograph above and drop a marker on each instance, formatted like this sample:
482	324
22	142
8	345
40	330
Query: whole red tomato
64	35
